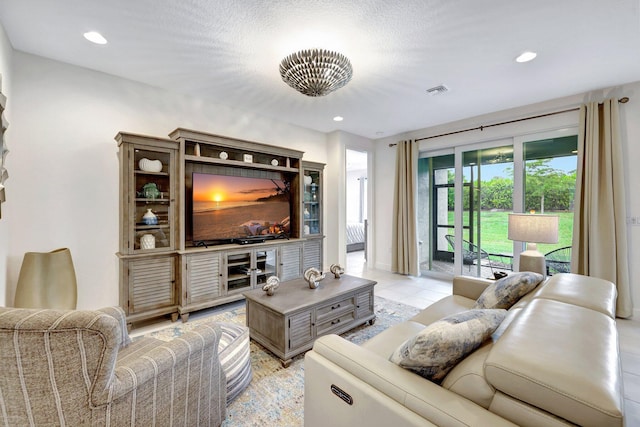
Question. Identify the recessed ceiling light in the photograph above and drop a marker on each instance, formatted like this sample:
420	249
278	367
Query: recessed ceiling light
526	56
95	37
338	118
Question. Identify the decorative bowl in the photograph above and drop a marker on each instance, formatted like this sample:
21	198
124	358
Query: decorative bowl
150	165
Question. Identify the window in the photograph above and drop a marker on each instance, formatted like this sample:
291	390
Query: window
486	191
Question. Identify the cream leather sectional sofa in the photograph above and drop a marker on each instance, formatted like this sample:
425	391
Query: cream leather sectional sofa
554	361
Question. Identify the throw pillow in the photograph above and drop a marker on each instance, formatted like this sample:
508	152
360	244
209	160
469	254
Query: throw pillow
507	291
435	350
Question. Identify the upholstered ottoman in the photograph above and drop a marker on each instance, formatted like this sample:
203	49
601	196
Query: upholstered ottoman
235	359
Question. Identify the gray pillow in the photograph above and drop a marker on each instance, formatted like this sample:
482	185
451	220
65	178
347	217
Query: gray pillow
507	291
435	350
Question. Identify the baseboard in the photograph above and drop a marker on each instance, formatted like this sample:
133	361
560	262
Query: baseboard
385	267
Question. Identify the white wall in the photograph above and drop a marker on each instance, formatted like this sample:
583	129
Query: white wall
385	163
64	168
6	71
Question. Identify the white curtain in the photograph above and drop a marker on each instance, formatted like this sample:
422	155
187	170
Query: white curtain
404	247
599	229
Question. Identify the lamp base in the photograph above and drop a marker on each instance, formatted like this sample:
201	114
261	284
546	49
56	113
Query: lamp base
532	260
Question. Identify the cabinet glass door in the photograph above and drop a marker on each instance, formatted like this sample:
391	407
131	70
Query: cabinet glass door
311	212
266	265
152	210
239	271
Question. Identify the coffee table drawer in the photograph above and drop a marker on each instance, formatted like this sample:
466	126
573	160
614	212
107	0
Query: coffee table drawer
334	324
333	309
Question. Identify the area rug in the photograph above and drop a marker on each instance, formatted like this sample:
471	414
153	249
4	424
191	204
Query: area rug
275	396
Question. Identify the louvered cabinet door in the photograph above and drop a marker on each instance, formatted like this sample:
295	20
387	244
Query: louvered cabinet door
312	254
290	258
203	277
300	330
151	284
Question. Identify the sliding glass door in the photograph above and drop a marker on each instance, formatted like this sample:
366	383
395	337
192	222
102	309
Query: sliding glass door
436	205
465	198
549	187
487	199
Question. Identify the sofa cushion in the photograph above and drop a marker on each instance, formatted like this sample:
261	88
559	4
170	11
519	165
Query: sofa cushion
467	378
440	346
507	291
387	341
589	292
445	307
563	359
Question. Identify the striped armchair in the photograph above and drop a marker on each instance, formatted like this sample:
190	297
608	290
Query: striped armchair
79	368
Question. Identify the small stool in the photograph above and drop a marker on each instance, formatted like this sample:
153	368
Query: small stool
235	358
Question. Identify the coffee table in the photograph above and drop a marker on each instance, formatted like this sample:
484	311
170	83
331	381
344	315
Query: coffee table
288	322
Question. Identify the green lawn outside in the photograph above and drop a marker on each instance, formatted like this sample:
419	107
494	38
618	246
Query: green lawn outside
494	232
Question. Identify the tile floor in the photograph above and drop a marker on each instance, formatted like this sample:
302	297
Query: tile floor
422	291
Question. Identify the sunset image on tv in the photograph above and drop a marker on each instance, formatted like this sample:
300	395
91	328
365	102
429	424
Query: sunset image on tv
228	207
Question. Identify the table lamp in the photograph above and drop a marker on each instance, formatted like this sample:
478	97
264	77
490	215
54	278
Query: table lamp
533	229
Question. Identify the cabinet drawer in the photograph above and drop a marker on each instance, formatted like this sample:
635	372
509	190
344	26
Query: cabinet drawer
330	326
334	309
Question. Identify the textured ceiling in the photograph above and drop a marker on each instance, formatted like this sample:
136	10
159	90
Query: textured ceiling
228	52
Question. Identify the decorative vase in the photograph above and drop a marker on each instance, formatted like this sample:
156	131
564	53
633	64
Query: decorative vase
148	241
47	280
150	165
307	180
149	218
196	150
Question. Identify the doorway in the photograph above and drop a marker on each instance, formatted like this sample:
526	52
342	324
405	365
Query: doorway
356	208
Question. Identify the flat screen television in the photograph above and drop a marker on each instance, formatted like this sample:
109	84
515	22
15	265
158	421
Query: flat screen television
225	208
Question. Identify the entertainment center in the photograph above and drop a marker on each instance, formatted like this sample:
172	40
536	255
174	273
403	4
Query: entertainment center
204	218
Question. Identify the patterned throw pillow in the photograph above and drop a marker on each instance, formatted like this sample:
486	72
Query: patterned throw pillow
507	291
435	350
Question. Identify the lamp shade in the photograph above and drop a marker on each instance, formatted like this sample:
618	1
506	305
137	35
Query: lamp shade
533	228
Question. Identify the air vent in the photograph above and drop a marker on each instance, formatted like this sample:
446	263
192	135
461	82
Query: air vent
437	90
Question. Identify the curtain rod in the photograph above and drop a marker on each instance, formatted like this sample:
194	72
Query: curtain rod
623	100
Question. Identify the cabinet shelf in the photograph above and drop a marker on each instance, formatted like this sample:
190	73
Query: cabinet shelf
141	172
152	201
151	227
238	163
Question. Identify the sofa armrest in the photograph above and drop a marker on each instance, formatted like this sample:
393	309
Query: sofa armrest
192	355
470	287
118	313
362	372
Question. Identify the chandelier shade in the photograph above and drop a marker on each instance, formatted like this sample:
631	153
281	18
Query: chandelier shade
316	72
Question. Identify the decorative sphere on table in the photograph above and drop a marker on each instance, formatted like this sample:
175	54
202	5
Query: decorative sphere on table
313	276
337	270
272	284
